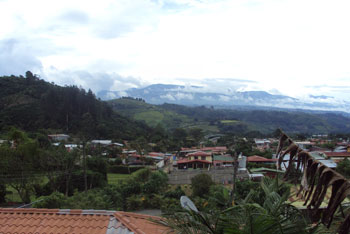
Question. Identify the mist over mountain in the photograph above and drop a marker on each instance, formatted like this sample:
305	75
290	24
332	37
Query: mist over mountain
197	95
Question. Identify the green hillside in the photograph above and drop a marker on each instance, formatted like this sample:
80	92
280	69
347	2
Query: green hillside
212	120
32	104
150	114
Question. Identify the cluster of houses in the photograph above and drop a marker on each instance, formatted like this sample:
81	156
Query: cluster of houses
129	156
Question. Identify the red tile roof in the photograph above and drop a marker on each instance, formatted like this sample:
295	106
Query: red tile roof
140	223
75	221
337	154
217	148
191	161
199	153
256	158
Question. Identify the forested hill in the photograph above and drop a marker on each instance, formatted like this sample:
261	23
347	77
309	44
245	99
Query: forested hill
231	120
33	104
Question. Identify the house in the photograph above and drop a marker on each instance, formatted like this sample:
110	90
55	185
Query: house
304	144
71	147
195	160
101	142
337	156
262	144
342	147
215	150
266	171
200	155
222	160
58	137
76	221
194	164
261	160
321	157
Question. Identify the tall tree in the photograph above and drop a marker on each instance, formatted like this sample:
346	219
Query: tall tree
20	164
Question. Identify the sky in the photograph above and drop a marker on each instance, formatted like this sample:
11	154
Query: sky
299	48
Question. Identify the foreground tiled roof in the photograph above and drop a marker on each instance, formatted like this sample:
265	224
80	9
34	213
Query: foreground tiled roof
139	223
76	221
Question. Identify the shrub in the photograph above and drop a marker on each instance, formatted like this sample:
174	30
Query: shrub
170	205
2	193
130	187
142	175
54	201
201	184
42	190
134	202
94	180
177	193
152	201
120	169
93	199
157	183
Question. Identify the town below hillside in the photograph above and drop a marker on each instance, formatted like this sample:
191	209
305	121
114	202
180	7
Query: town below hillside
62	148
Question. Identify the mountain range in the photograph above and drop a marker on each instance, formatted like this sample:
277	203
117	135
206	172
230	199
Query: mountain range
197	95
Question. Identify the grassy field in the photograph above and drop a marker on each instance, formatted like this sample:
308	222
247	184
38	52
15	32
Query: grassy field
152	118
229	121
116	178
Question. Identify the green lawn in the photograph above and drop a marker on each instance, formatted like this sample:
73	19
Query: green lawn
229	121
116	178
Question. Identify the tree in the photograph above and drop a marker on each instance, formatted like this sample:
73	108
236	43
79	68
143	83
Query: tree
343	167
196	134
20	164
201	184
59	165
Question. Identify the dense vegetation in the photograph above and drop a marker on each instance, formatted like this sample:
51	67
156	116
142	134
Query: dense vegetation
32	104
242	122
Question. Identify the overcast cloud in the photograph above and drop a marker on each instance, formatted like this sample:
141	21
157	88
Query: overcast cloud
292	47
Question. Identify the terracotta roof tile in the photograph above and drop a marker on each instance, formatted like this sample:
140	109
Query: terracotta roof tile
256	158
75	221
140	223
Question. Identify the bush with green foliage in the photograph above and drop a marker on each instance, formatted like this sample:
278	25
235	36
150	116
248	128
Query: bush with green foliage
142	175
2	193
94	180
156	183
55	200
343	167
176	193
121	169
134	202
201	184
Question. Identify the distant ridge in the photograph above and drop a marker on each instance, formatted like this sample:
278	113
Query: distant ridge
197	95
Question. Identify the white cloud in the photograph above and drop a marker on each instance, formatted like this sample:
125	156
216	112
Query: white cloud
168	96
287	46
181	96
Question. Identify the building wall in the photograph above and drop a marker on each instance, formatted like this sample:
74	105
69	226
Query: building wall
224	175
208	158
